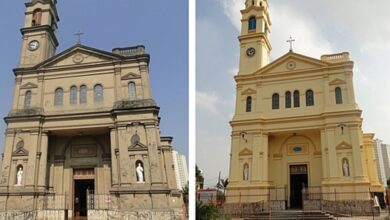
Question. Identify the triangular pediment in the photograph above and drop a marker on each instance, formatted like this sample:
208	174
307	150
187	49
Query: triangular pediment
130	76
292	62
337	81
78	55
138	147
20	152
29	85
245	152
248	92
343	145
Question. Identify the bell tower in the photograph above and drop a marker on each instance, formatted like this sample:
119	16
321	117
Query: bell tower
254	43
39	41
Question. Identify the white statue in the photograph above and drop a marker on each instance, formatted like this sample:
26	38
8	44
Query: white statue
246	172
140	173
345	167
19	176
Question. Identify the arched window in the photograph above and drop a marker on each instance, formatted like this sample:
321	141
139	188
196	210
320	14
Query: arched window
73	95
132	91
83	94
288	99
252	23
98	93
27	99
275	101
37	15
339	95
248	104
309	98
58	96
296	98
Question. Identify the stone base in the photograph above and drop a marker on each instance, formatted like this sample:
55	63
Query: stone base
141	214
348	208
247	209
96	215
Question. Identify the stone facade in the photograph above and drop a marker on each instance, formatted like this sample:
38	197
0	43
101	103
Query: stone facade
83	120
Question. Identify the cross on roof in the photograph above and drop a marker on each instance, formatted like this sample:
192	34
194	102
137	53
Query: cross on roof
78	34
290	41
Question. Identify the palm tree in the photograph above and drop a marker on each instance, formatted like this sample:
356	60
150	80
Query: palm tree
185	196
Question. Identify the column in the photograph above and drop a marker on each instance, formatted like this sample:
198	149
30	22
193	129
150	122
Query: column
356	151
332	156
350	89
43	160
114	161
234	168
153	154
265	157
125	170
324	158
8	147
145	81
29	172
117	83
15	102
256	169
40	89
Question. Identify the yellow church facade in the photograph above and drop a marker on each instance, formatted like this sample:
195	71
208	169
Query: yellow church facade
297	123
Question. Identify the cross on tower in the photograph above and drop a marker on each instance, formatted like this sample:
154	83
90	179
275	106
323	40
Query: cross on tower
78	34
290	41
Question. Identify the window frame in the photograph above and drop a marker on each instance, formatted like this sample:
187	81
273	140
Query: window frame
248	104
338	95
98	94
275	101
296	97
58	96
309	95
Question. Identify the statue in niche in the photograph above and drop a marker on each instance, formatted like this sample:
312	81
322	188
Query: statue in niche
19	176
140	173
345	167
246	172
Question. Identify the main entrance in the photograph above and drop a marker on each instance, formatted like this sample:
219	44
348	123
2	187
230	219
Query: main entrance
83	181
298	180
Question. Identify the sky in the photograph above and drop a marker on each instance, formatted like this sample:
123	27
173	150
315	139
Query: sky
162	27
319	27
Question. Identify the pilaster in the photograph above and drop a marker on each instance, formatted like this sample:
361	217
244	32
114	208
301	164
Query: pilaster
153	154
43	160
114	157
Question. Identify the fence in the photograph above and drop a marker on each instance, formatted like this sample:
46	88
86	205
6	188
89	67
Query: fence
340	204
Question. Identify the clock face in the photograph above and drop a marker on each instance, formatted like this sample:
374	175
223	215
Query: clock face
33	45
250	51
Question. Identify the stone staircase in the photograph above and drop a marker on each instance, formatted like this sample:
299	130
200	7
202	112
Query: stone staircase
291	215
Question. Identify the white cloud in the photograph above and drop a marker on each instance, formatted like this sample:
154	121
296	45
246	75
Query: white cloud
207	102
231	8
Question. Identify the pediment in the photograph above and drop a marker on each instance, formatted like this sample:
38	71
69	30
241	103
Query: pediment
248	92
337	81
343	145
78	55
245	152
130	76
20	152
29	85
138	147
292	62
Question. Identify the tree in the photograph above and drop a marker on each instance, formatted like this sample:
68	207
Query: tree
206	211
185	196
199	178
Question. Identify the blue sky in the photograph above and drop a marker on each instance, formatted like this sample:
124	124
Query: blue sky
162	26
319	27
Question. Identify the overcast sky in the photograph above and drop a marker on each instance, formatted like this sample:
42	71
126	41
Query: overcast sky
319	27
162	26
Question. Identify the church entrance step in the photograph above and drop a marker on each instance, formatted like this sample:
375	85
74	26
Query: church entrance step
291	215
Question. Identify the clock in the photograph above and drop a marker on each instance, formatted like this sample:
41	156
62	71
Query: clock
250	51
33	45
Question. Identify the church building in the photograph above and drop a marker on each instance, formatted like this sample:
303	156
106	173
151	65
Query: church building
296	124
83	134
